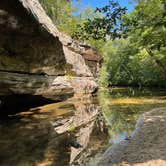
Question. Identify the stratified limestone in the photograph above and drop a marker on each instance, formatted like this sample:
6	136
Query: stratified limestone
36	59
147	146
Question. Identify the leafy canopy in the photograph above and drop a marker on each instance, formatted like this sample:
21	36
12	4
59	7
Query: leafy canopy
105	24
146	27
146	24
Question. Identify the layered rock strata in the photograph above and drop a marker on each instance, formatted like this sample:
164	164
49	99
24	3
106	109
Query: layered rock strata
36	59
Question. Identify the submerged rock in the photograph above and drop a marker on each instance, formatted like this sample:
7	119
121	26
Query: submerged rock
36	59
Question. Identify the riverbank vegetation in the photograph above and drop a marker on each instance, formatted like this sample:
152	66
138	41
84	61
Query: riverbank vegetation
133	44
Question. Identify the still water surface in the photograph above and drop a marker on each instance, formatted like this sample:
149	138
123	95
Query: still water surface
74	133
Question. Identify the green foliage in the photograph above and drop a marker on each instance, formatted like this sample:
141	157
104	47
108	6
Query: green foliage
137	59
120	119
97	45
60	11
69	77
104	24
140	59
146	26
125	64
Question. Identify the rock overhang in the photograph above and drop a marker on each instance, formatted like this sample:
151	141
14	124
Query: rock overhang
32	50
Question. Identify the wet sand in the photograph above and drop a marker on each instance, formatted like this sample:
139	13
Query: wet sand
145	147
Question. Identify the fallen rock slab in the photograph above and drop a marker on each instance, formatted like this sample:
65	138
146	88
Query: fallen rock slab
146	147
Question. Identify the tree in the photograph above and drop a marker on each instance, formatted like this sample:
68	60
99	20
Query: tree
146	26
125	64
105	24
61	13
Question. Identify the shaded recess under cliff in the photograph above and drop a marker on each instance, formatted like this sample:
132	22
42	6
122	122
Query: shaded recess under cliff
36	59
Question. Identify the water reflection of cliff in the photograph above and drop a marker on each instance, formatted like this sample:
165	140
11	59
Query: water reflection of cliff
86	132
60	134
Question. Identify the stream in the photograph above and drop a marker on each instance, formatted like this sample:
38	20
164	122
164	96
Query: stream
74	132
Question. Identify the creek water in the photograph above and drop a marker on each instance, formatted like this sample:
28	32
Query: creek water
74	132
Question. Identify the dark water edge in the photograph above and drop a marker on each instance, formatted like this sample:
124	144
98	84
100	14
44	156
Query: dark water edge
74	132
13	104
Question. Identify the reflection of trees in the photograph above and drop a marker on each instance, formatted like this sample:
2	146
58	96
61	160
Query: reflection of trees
121	120
120	123
122	106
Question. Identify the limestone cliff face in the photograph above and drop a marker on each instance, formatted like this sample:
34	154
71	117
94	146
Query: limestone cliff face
35	58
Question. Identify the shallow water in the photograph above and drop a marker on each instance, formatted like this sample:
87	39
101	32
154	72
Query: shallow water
74	132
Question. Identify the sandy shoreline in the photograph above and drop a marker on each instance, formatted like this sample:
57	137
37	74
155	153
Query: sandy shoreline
147	145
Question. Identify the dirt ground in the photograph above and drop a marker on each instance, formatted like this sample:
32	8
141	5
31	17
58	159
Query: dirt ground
147	145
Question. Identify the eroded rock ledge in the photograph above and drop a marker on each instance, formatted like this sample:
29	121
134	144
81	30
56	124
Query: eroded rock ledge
147	146
36	59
